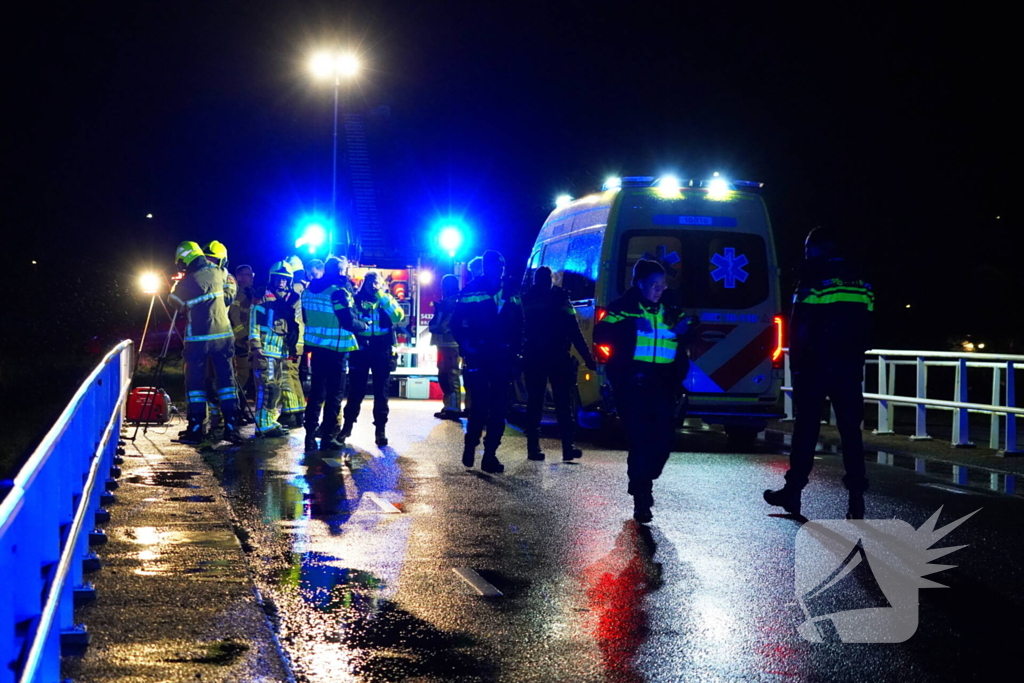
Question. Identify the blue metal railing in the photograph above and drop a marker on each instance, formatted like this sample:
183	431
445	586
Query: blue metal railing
47	518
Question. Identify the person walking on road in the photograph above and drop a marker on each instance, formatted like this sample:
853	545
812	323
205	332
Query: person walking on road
200	293
643	344
830	329
380	313
329	336
448	375
488	326
550	330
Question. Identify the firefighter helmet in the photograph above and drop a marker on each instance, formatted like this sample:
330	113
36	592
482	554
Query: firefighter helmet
187	252
216	250
280	269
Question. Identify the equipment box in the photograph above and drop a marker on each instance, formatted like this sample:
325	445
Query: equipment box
148	404
414	387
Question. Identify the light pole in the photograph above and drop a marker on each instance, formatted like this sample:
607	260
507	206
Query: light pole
325	65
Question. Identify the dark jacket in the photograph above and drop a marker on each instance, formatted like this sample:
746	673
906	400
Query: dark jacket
488	323
832	311
619	333
440	325
550	325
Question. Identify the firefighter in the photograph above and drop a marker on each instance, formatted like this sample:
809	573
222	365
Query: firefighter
217	254
830	329
380	313
293	399
329	336
200	293
448	374
643	342
273	315
550	329
241	307
488	326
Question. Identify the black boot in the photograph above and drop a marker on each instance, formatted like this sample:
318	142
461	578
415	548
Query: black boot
642	503
533	451
491	464
856	508
786	498
346	430
380	437
570	452
193	433
468	456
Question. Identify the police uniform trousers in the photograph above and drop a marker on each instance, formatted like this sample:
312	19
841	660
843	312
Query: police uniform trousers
293	399
488	381
360	366
326	390
269	380
646	401
219	352
560	371
840	380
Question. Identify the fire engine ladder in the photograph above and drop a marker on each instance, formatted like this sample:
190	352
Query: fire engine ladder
367	222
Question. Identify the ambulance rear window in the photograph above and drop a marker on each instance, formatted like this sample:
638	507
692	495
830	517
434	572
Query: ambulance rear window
708	268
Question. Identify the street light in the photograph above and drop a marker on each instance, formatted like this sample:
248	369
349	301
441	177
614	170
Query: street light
339	65
149	284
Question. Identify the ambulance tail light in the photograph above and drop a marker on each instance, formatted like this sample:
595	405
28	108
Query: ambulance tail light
602	353
777	354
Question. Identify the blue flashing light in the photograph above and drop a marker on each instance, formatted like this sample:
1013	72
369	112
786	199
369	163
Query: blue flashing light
612	183
313	235
561	200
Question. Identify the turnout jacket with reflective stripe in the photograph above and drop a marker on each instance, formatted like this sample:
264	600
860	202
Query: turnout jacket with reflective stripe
832	311
327	310
487	322
380	312
272	317
200	293
633	349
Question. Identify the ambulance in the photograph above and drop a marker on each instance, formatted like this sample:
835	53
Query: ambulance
715	241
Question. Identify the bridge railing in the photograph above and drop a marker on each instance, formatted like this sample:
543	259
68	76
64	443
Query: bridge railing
1001	407
48	518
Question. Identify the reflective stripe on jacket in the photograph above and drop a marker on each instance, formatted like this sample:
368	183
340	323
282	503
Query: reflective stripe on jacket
380	314
269	321
201	294
656	345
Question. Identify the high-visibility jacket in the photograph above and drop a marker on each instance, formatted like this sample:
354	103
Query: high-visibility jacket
380	312
201	294
271	318
238	314
629	346
832	310
329	319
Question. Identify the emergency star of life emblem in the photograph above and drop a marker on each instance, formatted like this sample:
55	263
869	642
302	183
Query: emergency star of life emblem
729	268
857	580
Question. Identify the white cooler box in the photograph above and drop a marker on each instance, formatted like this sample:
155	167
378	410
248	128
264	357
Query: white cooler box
414	387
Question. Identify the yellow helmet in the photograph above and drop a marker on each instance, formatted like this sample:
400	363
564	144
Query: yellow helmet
295	263
281	269
187	252
216	250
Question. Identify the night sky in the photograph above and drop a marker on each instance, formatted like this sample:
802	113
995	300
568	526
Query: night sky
893	124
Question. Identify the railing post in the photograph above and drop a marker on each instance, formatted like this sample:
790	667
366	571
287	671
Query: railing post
961	435
1011	420
993	420
921	422
883	404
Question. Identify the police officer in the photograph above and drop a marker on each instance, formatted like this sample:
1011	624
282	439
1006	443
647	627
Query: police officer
830	329
643	342
380	313
329	336
273	314
550	329
488	325
200	293
448	374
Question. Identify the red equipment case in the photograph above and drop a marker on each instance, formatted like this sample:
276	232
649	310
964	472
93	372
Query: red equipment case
149	404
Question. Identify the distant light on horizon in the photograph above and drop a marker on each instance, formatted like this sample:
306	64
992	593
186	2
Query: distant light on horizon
149	215
908	305
34	263
981	345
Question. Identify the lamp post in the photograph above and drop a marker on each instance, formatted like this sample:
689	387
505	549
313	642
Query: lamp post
337	65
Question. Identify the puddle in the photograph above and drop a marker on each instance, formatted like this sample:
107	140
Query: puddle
177	479
192	499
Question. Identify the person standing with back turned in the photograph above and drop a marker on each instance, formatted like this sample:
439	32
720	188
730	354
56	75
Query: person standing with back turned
488	325
550	329
646	361
448	375
830	329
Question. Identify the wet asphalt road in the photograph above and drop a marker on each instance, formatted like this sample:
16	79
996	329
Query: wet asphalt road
357	554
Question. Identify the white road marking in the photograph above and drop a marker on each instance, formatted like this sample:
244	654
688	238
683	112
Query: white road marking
381	503
477	582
